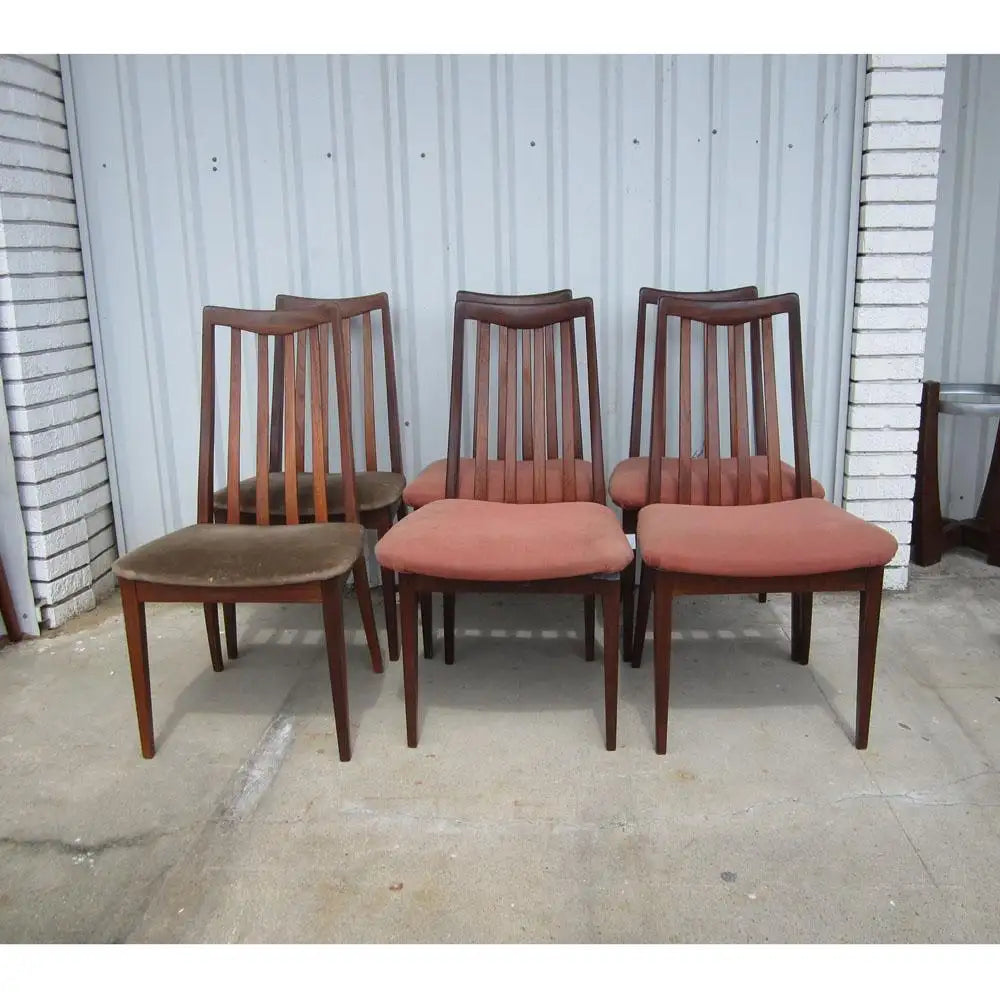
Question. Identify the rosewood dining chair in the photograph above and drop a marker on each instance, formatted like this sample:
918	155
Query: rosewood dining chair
535	523
429	485
379	491
230	561
774	535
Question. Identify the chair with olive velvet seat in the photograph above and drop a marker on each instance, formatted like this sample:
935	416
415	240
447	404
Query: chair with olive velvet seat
228	560
797	543
540	533
379	490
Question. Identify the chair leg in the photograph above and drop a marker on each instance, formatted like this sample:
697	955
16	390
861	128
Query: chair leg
802	606
868	618
762	598
336	654
449	628
662	629
389	599
927	534
138	657
229	621
589	612
408	628
629	521
610	600
427	623
214	640
367	613
642	613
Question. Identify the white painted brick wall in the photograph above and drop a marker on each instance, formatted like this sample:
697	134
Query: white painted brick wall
46	359
899	166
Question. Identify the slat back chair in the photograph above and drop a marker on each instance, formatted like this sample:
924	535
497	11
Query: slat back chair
430	484
788	538
222	559
627	485
534	419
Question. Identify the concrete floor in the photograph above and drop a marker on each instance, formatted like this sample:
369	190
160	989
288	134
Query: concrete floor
511	822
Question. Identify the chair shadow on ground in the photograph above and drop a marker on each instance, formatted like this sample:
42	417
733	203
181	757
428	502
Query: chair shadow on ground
513	654
282	662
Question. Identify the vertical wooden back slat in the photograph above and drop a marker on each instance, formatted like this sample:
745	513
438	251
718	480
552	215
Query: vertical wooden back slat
800	431
538	452
658	419
551	416
481	426
527	397
738	417
712	415
502	394
291	420
299	347
342	380
206	424
455	413
594	398
392	402
577	421
635	433
233	452
568	372
510	430
319	415
263	499
757	387
371	459
324	386
277	405
771	412
684	416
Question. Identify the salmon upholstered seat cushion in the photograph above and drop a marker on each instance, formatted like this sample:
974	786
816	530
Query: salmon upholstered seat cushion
480	540
788	538
245	555
429	485
629	482
374	490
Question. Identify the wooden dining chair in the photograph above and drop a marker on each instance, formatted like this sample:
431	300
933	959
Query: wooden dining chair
535	523
379	491
629	479
785	540
230	561
429	485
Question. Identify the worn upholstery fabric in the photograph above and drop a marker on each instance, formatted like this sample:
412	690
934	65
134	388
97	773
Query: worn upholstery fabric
429	485
788	538
630	478
374	490
480	540
233	555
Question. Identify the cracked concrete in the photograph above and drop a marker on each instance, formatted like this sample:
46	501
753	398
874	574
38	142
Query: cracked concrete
510	822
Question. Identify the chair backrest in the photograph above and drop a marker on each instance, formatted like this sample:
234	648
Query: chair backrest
301	385
532	299
649	297
753	319
359	313
536	348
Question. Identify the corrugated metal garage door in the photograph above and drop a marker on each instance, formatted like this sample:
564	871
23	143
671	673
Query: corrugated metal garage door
229	179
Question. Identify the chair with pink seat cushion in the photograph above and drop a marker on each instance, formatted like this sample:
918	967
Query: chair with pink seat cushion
797	544
530	524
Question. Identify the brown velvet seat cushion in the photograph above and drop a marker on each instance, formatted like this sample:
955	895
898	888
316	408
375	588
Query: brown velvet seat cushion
373	490
429	485
788	538
235	555
480	540
630	479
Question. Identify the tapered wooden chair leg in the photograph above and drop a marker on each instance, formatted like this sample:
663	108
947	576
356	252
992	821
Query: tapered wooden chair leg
367	613
214	640
589	612
229	621
336	654
449	628
138	658
427	623
629	521
928	537
868	621
408	630
389	599
642	613
609	613
662	629
801	627
762	598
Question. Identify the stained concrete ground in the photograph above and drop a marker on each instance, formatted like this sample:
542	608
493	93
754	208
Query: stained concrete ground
511	822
